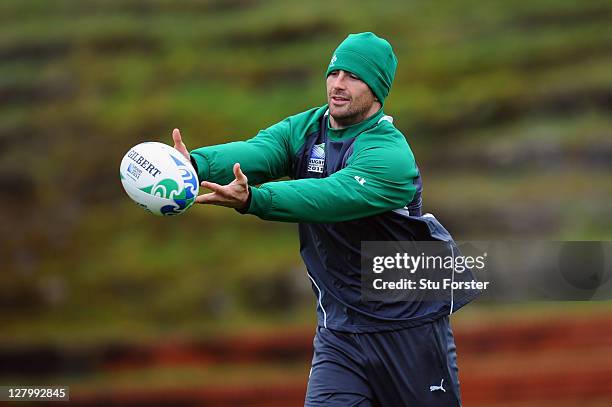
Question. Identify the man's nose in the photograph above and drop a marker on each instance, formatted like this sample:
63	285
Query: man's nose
339	81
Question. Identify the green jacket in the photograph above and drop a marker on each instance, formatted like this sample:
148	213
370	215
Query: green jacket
378	175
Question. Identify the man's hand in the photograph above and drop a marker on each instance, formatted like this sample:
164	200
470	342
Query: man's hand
233	195
179	145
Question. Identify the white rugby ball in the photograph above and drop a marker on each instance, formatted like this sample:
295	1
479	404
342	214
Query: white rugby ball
159	178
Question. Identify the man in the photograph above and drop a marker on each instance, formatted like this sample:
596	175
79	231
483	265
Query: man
354	179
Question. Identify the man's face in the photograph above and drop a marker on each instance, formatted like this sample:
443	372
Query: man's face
350	99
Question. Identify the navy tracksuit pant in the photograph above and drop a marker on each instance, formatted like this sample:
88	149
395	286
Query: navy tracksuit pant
412	367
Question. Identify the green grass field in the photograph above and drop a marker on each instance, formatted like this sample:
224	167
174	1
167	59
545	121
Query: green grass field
506	106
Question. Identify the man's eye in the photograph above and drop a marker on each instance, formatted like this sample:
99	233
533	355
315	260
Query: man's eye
354	77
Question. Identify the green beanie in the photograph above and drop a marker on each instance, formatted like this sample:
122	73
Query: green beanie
369	57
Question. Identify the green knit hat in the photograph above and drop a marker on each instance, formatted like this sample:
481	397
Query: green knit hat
369	57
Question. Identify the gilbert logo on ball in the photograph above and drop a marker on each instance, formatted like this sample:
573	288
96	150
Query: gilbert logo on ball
159	179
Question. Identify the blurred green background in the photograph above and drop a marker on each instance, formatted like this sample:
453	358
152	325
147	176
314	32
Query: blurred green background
506	105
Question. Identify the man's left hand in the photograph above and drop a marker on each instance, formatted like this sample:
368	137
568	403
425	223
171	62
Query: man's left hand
233	195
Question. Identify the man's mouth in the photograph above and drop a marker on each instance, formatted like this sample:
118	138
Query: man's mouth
339	100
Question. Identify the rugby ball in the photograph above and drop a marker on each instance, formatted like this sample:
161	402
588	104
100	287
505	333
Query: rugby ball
159	178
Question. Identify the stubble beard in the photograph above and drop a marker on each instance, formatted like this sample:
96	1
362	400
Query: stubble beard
350	114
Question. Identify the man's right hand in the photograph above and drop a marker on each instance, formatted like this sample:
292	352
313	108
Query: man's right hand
179	145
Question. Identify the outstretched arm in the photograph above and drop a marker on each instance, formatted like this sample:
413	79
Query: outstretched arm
265	157
262	158
377	180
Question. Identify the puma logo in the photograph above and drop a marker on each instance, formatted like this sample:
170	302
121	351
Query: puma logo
440	387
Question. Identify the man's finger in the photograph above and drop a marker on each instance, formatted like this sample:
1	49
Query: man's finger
176	137
212	186
240	177
205	198
178	143
211	198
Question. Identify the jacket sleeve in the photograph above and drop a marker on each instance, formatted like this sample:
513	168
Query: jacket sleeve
377	179
262	158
